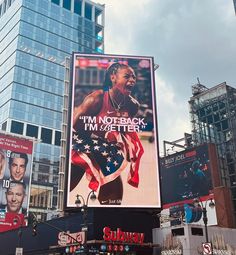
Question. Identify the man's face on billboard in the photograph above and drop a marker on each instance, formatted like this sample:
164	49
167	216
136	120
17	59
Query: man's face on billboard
17	169
15	197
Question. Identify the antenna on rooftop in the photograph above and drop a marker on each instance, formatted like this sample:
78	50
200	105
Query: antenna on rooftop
198	88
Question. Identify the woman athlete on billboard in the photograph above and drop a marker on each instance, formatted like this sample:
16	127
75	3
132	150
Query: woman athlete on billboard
112	145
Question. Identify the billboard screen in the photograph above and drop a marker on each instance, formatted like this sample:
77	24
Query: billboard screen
187	176
15	177
113	133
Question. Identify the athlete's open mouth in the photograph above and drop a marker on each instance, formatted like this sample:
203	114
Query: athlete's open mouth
129	87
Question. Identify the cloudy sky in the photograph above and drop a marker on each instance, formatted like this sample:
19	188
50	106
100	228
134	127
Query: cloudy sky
188	39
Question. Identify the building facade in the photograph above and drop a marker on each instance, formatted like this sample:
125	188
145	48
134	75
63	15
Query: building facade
190	239
35	39
213	118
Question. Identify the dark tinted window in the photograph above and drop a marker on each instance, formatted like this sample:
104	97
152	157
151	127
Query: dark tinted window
46	135
78	6
58	138
231	168
32	131
4	126
178	232
67	4
216	116
17	127
225	124
4	7
88	11
197	231
56	2
232	180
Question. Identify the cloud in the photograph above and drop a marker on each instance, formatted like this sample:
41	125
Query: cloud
173	116
188	39
120	22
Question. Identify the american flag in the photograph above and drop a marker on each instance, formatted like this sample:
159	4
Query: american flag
103	160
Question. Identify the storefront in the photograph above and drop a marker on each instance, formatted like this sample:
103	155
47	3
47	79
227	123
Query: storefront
107	231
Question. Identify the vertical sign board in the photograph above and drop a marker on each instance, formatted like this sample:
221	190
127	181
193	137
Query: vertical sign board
187	175
15	176
113	132
19	251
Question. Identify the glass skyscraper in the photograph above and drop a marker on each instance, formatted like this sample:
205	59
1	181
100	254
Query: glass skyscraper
35	38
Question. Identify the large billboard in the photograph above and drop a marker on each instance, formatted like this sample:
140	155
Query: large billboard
113	132
186	177
15	177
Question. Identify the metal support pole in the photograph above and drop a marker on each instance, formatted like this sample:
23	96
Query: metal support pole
205	220
85	228
19	235
84	211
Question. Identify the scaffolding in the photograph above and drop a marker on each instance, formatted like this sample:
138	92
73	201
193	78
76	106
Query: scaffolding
213	119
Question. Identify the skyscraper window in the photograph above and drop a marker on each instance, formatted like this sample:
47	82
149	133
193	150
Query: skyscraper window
56	2
88	11
46	135
4	6
67	4
78	7
32	131
17	127
4	126
58	138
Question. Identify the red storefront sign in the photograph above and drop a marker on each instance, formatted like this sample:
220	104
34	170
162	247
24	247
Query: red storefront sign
65	238
122	236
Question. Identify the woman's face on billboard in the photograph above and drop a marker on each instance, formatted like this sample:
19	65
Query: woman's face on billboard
2	164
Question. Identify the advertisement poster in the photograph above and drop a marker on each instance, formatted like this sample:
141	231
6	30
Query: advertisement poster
113	132
15	177
186	177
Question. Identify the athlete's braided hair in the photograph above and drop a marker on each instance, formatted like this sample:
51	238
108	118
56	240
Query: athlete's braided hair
112	69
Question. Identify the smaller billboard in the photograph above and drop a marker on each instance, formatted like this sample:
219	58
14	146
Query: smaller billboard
186	176
15	176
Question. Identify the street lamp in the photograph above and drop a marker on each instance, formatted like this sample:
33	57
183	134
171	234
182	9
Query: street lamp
198	202
80	202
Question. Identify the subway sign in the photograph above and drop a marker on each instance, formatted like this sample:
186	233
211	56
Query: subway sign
122	236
